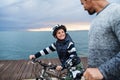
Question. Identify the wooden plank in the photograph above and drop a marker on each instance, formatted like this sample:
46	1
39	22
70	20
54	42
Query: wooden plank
21	70
14	70
2	65
26	71
5	70
29	70
18	72
8	72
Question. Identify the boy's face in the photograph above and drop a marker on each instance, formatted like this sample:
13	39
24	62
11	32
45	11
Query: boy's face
60	34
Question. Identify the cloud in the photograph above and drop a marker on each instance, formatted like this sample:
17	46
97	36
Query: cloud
70	27
25	14
116	1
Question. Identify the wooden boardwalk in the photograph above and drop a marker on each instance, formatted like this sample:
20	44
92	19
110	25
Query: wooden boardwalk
23	69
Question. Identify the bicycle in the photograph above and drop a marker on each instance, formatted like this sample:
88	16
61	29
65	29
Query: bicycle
48	72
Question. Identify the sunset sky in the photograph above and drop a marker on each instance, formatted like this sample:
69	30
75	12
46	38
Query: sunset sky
42	15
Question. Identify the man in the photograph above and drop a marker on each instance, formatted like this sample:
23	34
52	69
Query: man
104	40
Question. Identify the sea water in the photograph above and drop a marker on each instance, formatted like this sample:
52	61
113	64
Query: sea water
15	45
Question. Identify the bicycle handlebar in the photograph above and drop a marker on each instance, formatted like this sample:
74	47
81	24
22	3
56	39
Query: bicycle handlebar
50	66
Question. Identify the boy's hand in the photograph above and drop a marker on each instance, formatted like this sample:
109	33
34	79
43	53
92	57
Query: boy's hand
31	56
59	68
93	74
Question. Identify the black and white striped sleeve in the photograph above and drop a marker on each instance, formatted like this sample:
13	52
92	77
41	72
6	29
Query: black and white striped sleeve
71	48
46	51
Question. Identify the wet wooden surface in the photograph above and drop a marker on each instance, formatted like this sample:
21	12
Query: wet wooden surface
23	69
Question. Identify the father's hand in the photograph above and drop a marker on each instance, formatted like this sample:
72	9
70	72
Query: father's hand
92	74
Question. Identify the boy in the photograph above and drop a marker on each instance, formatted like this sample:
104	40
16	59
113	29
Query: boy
64	46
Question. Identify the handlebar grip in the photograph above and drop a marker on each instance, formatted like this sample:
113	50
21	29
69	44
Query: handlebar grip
33	59
53	67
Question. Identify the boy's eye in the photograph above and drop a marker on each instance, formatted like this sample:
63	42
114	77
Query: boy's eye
58	32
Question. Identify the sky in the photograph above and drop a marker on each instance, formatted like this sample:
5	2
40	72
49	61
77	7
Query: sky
42	15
